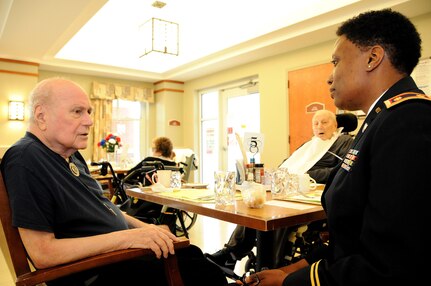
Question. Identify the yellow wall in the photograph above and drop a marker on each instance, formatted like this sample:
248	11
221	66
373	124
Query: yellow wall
272	73
169	100
16	81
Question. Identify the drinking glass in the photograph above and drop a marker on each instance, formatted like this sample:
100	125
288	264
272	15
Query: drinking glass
293	185
224	188
280	183
175	179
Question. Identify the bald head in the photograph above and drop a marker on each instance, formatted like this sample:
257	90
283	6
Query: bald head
324	124
60	115
48	90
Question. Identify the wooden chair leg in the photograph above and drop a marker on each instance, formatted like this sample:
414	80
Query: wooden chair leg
172	271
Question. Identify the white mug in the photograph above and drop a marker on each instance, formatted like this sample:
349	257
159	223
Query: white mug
164	178
306	183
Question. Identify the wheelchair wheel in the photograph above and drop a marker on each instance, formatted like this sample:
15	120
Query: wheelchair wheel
189	220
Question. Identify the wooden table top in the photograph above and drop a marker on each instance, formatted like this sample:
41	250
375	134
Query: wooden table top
274	214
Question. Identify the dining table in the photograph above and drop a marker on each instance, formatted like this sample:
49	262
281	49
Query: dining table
275	213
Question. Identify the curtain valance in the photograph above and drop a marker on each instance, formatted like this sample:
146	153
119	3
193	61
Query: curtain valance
111	91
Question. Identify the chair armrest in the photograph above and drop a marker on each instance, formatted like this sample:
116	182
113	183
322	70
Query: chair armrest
52	273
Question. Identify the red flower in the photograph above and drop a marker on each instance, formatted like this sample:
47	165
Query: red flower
110	142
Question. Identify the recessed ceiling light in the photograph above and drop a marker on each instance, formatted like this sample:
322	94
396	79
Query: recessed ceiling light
158	4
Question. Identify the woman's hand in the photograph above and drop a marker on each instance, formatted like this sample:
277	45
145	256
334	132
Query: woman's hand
273	277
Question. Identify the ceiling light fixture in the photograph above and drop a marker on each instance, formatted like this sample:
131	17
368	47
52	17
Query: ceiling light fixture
160	36
158	4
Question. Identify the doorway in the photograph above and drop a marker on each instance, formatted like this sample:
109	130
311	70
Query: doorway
226	112
308	92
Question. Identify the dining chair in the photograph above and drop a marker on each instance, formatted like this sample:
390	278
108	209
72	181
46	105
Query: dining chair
15	252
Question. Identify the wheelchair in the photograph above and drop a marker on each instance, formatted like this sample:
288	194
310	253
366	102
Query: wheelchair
297	243
179	221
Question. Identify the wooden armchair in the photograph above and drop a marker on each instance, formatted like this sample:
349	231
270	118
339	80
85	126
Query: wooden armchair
25	276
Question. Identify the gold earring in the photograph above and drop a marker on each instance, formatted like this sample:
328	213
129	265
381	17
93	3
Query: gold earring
369	66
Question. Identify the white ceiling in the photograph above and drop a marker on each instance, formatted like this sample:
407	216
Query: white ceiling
102	38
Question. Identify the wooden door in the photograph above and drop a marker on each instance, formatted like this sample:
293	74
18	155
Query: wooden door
308	92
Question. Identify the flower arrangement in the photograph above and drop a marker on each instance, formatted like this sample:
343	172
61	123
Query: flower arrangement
110	142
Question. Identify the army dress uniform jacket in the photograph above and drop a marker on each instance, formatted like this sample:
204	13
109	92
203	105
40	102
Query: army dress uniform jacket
378	203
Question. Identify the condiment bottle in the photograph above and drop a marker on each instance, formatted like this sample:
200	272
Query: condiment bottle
259	173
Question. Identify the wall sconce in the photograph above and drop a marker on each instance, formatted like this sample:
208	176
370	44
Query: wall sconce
16	110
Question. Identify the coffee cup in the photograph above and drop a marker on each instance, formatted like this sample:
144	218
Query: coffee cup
164	178
306	183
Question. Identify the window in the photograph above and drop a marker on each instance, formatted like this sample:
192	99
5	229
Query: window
126	122
223	114
209	141
243	115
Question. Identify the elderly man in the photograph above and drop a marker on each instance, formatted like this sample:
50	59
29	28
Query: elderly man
317	157
60	210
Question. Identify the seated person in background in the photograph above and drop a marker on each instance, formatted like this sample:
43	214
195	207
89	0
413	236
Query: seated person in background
317	157
144	174
60	210
320	155
162	151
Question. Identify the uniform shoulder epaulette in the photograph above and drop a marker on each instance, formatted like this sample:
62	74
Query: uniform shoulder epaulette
403	97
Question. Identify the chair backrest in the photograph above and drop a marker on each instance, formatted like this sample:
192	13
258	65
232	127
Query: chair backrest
15	246
347	120
189	166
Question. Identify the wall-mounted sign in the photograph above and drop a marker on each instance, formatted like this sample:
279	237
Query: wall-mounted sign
314	106
174	123
210	140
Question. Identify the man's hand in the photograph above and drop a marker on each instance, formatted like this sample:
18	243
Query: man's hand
46	250
158	239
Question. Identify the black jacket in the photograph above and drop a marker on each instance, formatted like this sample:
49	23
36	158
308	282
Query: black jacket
321	170
377	202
